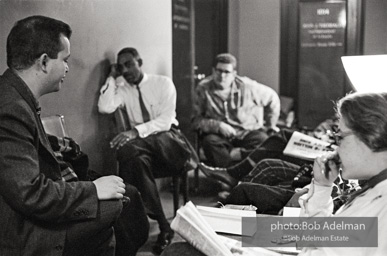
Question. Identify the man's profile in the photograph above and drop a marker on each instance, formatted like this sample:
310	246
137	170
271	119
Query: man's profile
44	211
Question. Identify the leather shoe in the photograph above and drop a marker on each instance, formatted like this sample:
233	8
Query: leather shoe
218	173
163	240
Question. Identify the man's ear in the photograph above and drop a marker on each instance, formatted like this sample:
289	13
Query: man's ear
43	61
139	62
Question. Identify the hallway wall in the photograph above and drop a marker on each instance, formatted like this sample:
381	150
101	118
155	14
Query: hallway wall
375	31
254	38
100	29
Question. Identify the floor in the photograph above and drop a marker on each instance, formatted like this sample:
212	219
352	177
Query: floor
206	195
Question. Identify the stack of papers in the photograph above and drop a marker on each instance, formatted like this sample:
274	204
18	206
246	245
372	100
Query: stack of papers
229	220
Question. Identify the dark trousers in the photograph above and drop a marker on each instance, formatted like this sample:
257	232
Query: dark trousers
132	227
268	199
144	159
94	237
181	249
272	147
118	229
268	186
217	148
272	172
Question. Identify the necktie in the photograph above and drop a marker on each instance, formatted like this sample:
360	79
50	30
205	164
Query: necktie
144	111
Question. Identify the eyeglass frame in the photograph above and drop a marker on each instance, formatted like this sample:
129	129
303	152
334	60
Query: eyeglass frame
339	136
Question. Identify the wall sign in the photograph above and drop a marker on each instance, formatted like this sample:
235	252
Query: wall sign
322	28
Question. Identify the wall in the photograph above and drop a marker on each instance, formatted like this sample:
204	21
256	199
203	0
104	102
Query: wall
100	29
375	31
254	38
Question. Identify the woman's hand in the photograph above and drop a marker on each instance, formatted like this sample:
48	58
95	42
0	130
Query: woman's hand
322	175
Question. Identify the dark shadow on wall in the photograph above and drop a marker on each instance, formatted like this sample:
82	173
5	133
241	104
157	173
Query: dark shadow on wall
102	157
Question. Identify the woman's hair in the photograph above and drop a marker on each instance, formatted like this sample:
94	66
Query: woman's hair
33	36
366	115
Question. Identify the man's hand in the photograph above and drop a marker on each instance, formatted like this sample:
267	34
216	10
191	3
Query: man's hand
226	130
114	71
109	187
123	138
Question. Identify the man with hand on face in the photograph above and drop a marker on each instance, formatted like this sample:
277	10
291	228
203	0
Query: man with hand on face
233	111
152	147
45	209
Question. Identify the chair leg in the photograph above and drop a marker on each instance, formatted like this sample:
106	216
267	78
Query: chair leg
176	192
185	186
196	177
199	153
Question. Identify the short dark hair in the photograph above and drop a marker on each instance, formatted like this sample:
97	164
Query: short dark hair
226	58
33	36
131	51
365	115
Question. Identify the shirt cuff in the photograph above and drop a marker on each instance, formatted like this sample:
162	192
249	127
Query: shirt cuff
142	130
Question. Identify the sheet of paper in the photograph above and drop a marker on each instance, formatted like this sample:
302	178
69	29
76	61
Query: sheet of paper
228	220
306	147
291	211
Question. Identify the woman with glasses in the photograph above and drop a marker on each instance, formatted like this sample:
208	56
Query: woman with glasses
362	149
362	139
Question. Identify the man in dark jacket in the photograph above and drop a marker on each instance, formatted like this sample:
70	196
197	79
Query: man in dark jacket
45	212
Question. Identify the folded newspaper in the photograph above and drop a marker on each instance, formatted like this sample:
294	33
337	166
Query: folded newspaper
192	227
306	147
228	220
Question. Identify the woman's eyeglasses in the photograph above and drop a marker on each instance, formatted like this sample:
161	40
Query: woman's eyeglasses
339	136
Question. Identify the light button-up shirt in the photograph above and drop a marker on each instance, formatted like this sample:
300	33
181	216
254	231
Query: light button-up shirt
159	96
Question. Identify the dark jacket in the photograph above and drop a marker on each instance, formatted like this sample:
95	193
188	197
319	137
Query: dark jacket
36	205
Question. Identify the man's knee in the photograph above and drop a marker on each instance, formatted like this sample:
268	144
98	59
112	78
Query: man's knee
96	234
211	139
131	191
256	137
274	143
128	151
134	195
109	211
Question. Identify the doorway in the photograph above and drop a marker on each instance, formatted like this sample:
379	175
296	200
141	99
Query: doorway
211	34
311	71
199	33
